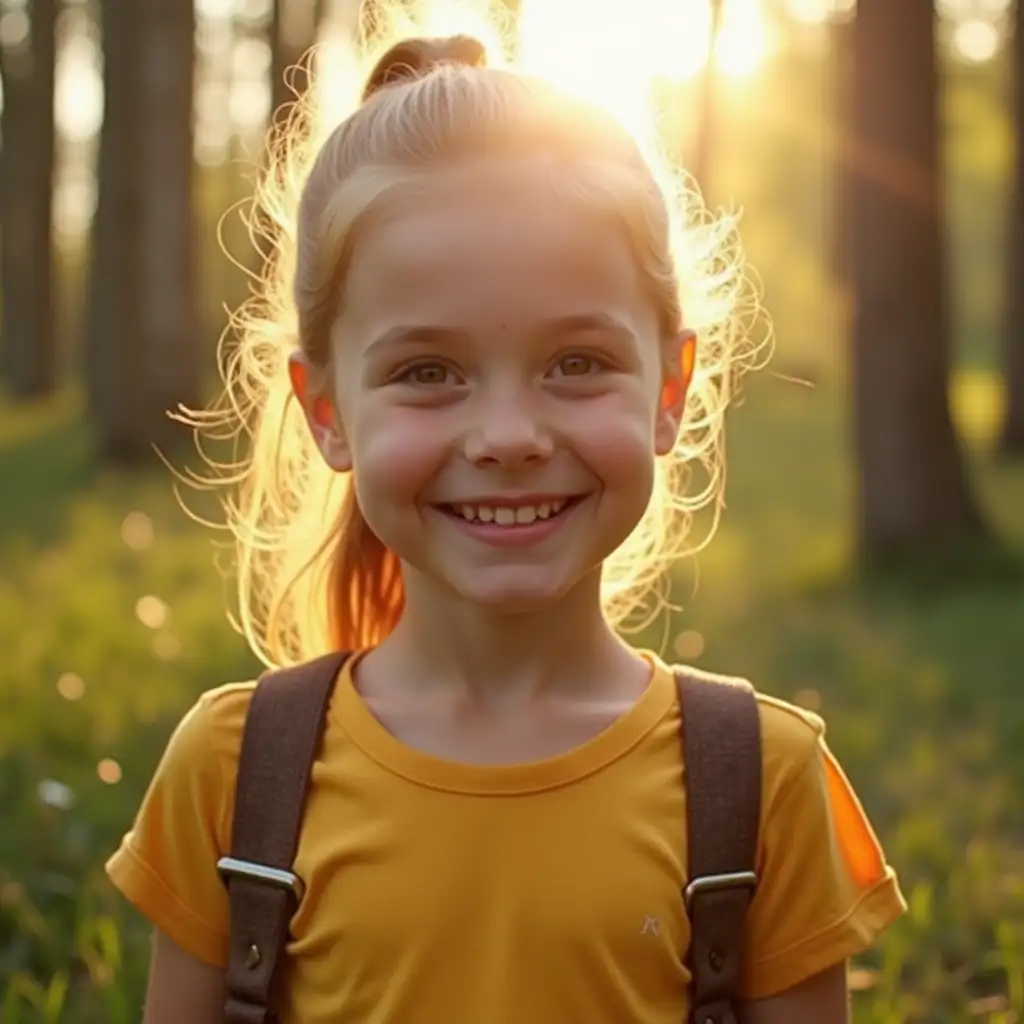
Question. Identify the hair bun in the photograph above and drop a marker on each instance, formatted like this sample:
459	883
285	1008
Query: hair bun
413	58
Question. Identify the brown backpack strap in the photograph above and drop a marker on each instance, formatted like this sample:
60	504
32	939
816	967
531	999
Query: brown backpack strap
283	729
721	737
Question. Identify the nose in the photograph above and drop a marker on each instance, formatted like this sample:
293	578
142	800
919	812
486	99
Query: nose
508	430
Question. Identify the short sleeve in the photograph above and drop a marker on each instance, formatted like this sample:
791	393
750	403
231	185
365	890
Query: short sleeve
825	891
166	864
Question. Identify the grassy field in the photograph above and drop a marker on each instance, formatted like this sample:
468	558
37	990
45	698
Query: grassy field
112	613
111	621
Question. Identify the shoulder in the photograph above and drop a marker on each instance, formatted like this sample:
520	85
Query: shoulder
208	739
791	737
166	863
218	715
225	706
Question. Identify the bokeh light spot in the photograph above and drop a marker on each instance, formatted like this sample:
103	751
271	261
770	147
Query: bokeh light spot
976	40
152	612
71	686
689	645
137	531
109	771
56	794
166	646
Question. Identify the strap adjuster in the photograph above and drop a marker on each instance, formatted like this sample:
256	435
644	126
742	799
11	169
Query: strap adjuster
232	867
719	883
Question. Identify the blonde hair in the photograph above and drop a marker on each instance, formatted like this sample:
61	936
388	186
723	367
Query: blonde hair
311	574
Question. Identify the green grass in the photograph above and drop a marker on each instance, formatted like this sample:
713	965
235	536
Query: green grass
921	693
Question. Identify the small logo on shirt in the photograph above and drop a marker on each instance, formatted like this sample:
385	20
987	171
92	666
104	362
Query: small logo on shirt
652	926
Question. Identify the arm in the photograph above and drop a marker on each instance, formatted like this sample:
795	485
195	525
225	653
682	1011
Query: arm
182	988
821	999
167	864
825	891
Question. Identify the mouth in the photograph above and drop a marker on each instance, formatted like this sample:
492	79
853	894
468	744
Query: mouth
512	513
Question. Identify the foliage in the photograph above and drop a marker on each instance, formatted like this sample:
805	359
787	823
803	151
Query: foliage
112	614
920	699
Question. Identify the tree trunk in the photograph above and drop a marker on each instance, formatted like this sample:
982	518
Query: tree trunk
26	206
1013	428
170	302
913	490
293	31
707	118
143	332
841	37
114	337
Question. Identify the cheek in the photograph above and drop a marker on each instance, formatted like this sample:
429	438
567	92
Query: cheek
614	436
396	452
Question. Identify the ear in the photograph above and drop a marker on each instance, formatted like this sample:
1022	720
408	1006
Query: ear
681	359
322	417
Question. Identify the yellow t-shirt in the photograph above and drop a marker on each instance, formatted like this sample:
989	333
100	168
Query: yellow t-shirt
547	891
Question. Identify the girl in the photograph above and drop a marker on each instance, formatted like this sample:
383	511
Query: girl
472	431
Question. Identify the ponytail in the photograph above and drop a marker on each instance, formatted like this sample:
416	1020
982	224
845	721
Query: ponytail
365	595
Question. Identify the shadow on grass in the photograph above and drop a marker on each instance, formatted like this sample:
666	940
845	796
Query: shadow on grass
46	462
50	462
927	574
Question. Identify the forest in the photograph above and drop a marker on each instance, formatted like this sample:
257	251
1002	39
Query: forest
869	563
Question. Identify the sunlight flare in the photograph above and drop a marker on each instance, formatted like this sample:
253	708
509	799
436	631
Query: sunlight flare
611	60
744	41
615	62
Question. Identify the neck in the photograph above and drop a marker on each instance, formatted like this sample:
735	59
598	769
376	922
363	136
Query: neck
493	657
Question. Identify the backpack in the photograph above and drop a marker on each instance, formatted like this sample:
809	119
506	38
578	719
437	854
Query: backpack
721	737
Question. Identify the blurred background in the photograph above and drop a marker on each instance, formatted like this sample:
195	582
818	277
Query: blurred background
868	565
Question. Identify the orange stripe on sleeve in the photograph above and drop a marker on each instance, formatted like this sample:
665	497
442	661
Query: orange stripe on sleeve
857	841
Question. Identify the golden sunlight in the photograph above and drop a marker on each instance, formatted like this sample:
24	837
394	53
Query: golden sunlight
598	52
744	41
614	60
663	38
611	60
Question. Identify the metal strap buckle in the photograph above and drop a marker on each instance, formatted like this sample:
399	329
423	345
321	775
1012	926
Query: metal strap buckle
719	883
231	867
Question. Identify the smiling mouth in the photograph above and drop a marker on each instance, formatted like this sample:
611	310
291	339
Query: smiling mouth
523	514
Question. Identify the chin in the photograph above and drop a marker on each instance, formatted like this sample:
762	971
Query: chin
514	597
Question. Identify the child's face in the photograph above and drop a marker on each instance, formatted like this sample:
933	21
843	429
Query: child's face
497	359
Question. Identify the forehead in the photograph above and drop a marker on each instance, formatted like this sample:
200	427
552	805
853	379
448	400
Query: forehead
473	252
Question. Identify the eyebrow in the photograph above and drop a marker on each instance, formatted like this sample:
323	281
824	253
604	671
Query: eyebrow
423	334
436	334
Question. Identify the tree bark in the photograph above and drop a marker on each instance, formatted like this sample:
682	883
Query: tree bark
114	337
143	331
170	303
1012	441
913	493
293	32
28	324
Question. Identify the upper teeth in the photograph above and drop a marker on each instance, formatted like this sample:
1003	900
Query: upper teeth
504	515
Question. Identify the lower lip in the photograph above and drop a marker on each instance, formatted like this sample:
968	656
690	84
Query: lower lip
511	536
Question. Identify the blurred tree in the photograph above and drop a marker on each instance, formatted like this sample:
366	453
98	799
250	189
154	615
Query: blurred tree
27	70
841	53
294	25
143	334
113	320
170	304
1013	428
707	118
913	489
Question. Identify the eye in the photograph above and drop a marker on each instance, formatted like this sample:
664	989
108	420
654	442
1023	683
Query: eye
425	375
578	365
